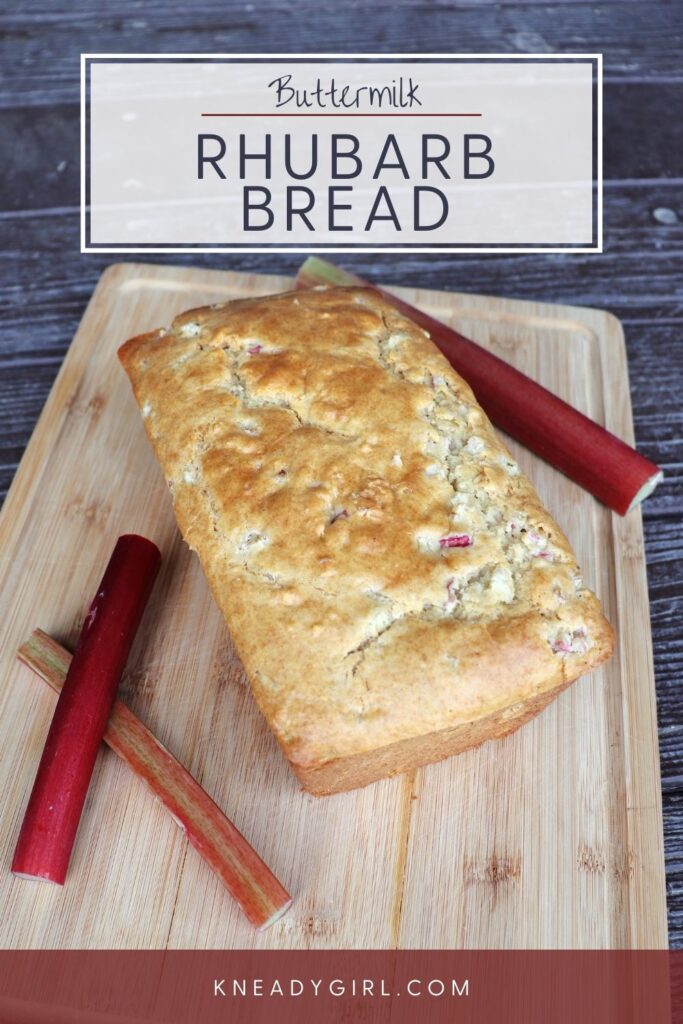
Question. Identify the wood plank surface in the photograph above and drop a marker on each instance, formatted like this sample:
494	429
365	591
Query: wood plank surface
551	837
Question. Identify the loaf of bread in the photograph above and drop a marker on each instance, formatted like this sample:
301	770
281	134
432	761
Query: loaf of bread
393	585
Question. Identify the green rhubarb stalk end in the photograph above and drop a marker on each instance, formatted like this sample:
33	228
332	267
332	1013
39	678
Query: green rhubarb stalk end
315	271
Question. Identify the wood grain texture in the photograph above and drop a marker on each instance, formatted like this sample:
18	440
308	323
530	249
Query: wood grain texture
640	38
549	838
45	283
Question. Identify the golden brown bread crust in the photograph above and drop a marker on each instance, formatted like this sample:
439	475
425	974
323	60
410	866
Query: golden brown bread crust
393	585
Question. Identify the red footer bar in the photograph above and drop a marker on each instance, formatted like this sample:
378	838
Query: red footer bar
184	987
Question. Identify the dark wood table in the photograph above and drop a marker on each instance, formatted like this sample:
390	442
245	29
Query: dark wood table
46	283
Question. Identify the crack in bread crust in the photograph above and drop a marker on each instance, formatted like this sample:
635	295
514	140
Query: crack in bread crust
251	402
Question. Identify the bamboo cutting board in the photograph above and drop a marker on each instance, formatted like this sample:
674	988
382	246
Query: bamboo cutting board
549	838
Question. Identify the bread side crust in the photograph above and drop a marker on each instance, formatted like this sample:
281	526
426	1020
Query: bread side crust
361	770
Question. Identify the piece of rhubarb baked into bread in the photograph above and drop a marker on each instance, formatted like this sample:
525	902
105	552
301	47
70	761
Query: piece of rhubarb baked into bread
392	583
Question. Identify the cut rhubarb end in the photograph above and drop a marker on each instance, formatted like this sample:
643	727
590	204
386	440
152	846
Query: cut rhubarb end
314	272
612	471
646	490
275	917
38	878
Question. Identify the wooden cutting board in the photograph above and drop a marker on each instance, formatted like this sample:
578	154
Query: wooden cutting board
549	838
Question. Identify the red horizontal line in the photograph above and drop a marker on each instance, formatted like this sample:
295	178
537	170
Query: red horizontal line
349	114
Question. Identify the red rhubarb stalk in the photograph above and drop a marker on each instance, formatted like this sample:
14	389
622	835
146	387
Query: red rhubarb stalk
249	881
54	808
601	463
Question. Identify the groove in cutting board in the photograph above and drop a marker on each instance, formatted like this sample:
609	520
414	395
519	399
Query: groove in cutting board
551	837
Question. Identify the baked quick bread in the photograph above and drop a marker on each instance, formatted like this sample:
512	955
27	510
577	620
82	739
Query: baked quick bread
394	587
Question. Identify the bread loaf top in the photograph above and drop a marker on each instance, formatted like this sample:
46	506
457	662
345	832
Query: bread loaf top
384	567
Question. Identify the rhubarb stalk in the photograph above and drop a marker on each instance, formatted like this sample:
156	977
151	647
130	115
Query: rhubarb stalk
249	881
54	808
599	461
